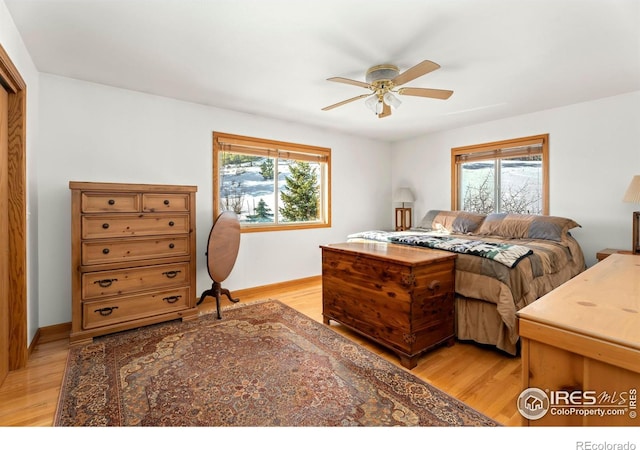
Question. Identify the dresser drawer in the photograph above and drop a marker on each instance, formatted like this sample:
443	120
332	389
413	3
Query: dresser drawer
133	225
128	281
106	202
165	202
133	249
122	309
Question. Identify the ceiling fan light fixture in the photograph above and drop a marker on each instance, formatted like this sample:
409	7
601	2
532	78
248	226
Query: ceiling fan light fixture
371	103
392	100
379	107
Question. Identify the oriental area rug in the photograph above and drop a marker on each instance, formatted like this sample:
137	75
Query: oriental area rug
264	364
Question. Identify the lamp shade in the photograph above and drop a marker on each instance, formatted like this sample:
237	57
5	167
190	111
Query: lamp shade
371	102
403	195
633	191
392	100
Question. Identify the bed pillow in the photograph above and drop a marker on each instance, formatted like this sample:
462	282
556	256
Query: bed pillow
461	222
527	226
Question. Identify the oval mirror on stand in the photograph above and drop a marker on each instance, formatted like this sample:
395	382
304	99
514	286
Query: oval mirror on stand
222	251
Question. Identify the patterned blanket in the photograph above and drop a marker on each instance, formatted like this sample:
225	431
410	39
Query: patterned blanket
508	254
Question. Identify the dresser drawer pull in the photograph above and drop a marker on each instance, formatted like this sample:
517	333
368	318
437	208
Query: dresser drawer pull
105	225
105	251
166	202
171	274
171	223
435	284
111	201
106	311
172	299
171	245
106	282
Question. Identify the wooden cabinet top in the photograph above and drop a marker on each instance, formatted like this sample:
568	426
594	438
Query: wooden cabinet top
392	252
129	187
602	302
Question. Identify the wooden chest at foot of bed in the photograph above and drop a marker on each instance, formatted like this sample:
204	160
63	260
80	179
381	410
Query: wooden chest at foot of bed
400	297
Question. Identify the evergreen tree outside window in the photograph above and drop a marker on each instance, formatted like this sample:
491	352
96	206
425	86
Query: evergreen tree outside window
271	185
502	177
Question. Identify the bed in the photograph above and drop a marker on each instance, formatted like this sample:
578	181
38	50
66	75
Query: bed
504	263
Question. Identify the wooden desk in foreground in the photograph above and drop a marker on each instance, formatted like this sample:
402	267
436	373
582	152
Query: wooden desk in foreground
581	349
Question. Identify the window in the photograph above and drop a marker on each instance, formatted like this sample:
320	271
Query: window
271	185
507	176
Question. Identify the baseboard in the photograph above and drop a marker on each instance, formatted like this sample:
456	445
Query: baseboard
63	330
52	333
291	284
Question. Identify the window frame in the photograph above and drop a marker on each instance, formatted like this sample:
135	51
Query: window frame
267	147
499	150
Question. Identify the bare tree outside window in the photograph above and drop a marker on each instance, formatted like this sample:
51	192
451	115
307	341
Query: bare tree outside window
507	177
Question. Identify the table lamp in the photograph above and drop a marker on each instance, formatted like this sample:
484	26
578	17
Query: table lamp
403	215
633	196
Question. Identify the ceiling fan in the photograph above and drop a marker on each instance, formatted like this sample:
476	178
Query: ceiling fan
383	81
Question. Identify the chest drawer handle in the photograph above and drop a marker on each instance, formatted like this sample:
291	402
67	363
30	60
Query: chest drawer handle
106	311
171	245
105	251
166	202
171	223
434	285
111	201
106	282
171	273
172	299
105	225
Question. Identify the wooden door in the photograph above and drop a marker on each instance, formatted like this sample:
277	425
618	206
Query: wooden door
4	234
13	216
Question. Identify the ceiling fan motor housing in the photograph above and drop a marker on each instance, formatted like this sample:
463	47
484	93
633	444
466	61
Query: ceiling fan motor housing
382	74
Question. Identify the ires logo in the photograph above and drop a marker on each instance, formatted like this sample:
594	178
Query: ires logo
574	398
534	403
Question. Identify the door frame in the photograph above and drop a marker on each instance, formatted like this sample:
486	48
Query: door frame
17	162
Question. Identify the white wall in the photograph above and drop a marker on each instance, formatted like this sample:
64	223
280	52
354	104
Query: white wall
594	151
13	45
91	132
88	132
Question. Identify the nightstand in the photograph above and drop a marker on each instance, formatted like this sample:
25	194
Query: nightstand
602	254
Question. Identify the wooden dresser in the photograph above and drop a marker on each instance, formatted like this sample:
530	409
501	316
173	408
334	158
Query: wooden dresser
132	256
398	296
581	349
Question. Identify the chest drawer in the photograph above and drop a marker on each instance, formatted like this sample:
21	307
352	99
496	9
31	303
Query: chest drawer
127	281
122	309
165	202
133	249
133	225
110	202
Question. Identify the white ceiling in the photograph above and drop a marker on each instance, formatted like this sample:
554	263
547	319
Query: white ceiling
272	57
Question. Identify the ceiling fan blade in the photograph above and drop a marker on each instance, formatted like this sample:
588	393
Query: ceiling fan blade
386	111
349	81
441	94
344	102
416	71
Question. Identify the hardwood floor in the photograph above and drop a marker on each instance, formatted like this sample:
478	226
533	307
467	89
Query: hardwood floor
483	378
